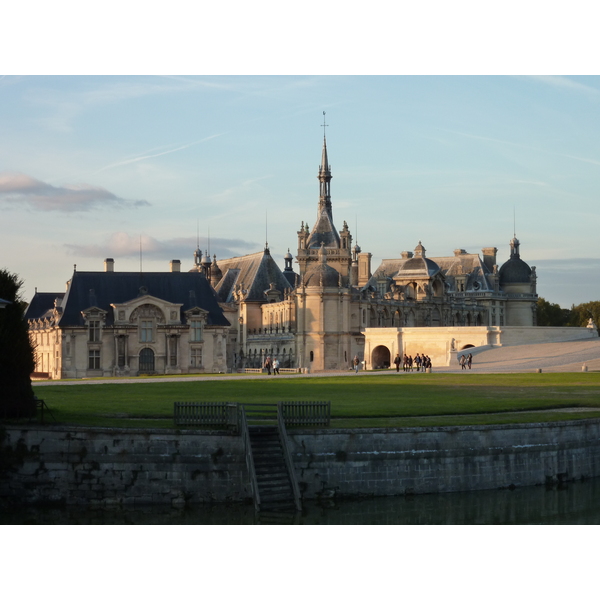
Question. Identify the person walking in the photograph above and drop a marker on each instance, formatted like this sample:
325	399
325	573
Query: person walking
397	362
418	362
405	363
469	360
268	365
276	367
410	362
463	362
356	362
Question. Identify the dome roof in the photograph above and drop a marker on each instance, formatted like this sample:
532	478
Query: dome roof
289	255
418	267
321	275
515	270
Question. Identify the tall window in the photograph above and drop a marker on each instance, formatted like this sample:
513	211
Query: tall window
173	351
94	359
196	357
94	330
196	331
145	330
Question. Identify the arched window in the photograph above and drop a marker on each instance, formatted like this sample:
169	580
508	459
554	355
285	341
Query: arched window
312	356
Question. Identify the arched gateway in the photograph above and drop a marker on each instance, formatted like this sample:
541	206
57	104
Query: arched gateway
380	358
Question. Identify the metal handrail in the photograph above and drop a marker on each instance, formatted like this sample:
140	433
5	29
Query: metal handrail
283	438
243	429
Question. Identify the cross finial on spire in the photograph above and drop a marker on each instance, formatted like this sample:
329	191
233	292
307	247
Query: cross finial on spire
324	125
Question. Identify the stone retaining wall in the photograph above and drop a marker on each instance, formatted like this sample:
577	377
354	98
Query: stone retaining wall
89	466
383	462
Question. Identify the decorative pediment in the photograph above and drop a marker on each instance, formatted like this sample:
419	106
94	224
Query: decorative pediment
196	313
93	312
148	307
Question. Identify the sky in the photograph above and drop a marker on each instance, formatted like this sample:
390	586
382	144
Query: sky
95	166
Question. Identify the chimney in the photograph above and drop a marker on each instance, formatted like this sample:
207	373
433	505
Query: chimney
175	266
489	258
364	268
109	265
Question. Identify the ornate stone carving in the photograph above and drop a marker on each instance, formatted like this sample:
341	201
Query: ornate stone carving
147	311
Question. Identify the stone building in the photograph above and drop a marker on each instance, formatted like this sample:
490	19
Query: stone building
233	314
318	318
110	323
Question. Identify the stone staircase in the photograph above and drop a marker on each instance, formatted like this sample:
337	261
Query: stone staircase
272	478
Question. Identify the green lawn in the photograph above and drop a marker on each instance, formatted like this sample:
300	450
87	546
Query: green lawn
361	401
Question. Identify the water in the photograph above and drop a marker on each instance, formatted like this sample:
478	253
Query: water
575	503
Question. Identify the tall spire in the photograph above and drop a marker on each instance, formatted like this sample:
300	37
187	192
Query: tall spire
324	175
324	229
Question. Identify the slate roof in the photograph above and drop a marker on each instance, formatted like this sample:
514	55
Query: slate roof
324	232
450	266
42	304
101	289
255	271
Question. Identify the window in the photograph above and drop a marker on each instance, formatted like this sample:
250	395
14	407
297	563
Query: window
145	331
94	330
173	351
94	359
196	331
196	357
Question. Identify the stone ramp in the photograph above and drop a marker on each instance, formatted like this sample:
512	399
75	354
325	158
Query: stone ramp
550	357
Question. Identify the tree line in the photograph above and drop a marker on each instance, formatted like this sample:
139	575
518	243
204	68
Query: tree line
553	315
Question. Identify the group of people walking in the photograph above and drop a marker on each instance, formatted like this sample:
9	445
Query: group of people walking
419	362
465	361
274	365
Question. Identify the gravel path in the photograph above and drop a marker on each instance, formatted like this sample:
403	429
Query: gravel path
555	357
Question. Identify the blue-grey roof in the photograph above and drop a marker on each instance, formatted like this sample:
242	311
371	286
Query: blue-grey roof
255	271
42	304
101	289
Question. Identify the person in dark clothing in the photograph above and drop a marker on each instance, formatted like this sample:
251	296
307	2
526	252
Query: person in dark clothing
397	362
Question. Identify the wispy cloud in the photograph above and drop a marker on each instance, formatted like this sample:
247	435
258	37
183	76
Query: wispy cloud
122	244
565	83
524	147
145	156
21	190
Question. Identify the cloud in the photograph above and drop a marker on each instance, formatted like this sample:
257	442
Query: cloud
122	244
146	156
23	190
565	83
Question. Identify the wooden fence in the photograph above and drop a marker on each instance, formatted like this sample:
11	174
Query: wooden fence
298	414
206	414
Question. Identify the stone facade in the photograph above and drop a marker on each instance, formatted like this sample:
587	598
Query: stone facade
315	319
118	324
318	318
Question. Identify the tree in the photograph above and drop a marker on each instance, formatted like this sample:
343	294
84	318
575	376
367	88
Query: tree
582	313
552	315
16	352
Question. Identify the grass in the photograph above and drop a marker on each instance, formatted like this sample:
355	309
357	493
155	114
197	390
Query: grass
364	401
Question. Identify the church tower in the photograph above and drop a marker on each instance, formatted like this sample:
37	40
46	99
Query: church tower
337	246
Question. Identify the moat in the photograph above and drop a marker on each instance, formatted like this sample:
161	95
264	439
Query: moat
576	503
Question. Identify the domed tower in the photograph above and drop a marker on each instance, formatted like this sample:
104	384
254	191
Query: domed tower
518	280
420	276
323	316
288	272
338	245
215	272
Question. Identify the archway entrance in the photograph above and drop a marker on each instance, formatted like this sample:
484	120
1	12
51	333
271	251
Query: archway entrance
380	358
147	360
